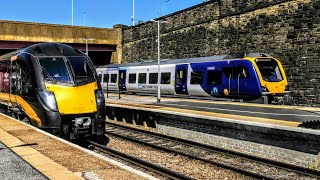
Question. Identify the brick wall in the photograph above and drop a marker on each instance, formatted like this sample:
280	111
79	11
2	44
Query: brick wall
288	29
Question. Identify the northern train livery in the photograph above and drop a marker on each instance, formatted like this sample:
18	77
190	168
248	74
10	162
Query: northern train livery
248	77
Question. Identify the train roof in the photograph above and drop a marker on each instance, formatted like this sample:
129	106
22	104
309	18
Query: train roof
186	60
45	49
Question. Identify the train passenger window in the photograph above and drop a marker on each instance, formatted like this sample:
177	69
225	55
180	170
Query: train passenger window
181	76
132	78
100	77
241	72
196	77
236	72
113	78
105	78
227	71
214	77
165	78
142	78
153	78
4	76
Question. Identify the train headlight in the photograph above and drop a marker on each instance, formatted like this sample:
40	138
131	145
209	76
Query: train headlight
264	89
48	99
99	97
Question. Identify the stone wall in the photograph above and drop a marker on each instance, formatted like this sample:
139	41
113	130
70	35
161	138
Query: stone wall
288	29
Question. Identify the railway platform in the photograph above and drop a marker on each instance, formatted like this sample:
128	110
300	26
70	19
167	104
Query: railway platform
268	131
29	153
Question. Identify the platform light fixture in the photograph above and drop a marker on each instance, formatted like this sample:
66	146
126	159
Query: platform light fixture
159	75
86	40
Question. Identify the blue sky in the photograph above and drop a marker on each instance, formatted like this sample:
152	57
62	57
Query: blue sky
98	13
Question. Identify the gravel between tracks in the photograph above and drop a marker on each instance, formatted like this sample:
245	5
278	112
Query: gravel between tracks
193	168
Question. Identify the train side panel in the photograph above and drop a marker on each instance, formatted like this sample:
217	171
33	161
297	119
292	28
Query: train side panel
236	79
143	79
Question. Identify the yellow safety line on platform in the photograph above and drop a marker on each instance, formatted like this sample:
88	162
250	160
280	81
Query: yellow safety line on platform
40	162
211	114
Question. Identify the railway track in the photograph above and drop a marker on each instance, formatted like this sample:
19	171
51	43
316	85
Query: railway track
244	164
163	172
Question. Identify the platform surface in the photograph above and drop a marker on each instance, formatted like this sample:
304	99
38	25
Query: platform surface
290	116
53	157
13	167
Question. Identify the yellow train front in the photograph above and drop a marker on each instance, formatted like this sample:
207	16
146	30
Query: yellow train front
272	78
54	87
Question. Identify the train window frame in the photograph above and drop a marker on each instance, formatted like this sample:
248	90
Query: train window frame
113	78
196	77
142	78
181	80
100	77
165	75
235	71
5	76
106	78
132	78
53	79
153	78
214	77
25	76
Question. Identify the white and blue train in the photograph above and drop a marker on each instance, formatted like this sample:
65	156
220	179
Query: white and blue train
249	77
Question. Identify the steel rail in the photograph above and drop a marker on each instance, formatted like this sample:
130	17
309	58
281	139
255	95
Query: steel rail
153	167
277	164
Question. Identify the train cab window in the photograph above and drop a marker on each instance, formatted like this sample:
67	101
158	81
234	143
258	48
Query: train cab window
132	78
26	83
106	78
153	78
113	78
214	77
165	78
196	77
142	78
81	69
54	69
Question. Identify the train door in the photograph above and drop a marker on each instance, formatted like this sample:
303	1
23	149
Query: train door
232	81
122	79
238	79
181	79
15	85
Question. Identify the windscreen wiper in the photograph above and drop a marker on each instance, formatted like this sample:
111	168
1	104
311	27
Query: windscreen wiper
48	75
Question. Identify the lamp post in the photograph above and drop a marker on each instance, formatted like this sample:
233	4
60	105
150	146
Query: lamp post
72	13
84	18
86	40
132	17
159	75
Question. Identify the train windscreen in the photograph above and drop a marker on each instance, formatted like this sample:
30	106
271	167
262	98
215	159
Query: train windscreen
81	70
54	69
66	70
269	69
